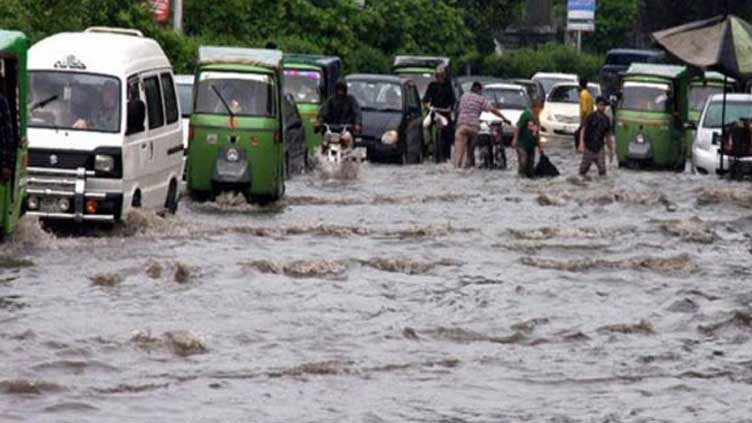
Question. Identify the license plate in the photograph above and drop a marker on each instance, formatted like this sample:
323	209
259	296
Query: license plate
231	170
49	205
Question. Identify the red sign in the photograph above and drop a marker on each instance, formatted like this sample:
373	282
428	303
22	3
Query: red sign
161	10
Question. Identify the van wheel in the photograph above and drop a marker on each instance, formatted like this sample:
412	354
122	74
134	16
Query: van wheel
171	204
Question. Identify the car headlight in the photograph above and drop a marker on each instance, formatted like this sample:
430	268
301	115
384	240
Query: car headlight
104	163
232	155
390	137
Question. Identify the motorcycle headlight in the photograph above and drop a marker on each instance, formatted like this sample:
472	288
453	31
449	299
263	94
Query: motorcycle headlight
232	155
104	163
640	138
390	137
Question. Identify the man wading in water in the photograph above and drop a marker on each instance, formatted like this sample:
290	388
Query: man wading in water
472	104
596	132
527	139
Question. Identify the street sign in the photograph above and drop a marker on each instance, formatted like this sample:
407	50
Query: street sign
161	9
581	15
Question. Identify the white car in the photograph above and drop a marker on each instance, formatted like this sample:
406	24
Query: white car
512	100
184	84
560	118
104	127
705	149
548	80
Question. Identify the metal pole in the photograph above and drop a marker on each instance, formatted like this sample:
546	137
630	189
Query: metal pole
579	41
177	16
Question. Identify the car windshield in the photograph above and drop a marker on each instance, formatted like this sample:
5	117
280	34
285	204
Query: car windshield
185	96
70	100
698	95
646	97
304	85
735	110
246	94
565	94
376	95
421	81
506	98
549	82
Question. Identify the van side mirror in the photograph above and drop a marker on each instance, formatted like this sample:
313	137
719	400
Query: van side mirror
136	116
690	126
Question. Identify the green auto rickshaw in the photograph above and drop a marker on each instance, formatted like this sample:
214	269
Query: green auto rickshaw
652	117
13	142
310	79
237	138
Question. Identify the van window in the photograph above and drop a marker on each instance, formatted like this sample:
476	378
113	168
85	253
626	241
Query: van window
136	110
171	102
74	101
154	102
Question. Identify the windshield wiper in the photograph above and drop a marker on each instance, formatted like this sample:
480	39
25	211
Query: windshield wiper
222	99
44	102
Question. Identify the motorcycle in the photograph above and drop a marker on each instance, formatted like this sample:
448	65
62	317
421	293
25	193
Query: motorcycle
338	144
490	142
435	122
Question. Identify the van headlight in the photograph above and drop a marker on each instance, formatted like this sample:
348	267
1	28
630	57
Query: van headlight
390	137
104	163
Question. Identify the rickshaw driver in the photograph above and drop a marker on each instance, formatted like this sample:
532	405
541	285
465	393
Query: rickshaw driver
105	117
341	109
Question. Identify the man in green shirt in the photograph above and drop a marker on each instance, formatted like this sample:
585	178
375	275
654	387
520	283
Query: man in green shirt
527	139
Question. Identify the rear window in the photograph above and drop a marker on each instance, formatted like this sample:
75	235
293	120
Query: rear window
245	94
185	96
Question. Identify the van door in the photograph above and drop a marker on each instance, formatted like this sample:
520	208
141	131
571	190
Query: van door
135	157
173	150
154	180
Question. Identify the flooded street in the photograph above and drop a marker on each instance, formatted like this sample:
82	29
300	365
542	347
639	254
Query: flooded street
411	294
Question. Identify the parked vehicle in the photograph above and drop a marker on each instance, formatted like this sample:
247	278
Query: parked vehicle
391	117
512	100
238	130
617	63
296	151
310	80
534	89
706	156
548	80
104	128
419	69
653	116
464	83
560	118
703	87
13	118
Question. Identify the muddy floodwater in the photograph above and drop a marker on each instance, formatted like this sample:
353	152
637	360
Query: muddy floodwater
408	294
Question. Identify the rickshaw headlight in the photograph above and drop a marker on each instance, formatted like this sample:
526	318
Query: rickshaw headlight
63	204
232	155
104	163
32	203
390	137
640	139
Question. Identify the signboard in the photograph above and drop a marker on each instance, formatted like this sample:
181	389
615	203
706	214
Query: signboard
161	9
581	15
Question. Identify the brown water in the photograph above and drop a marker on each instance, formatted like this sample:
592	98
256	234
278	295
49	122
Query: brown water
410	294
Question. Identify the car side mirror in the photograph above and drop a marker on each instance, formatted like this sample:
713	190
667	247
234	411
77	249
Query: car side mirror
136	116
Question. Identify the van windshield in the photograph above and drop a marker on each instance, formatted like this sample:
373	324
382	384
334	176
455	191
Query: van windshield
304	85
74	101
698	95
646	97
735	111
246	94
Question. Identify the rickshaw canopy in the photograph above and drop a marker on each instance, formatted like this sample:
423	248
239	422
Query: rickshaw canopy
241	56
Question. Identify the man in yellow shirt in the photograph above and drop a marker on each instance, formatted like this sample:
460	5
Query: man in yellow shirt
586	107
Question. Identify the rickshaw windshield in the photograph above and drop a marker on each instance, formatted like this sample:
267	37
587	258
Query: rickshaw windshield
646	97
507	98
246	94
304	85
185	96
735	111
74	101
698	95
373	95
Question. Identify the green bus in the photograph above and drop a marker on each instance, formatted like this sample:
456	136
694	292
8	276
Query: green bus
13	119
237	134
310	79
652	117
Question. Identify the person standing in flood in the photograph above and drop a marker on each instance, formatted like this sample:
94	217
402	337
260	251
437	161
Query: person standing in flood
586	108
596	133
527	139
472	105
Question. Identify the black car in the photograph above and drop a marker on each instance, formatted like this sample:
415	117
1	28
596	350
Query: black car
296	154
392	130
617	63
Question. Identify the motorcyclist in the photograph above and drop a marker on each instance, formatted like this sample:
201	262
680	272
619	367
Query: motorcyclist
341	109
440	95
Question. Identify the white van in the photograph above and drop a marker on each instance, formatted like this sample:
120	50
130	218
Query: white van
104	127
